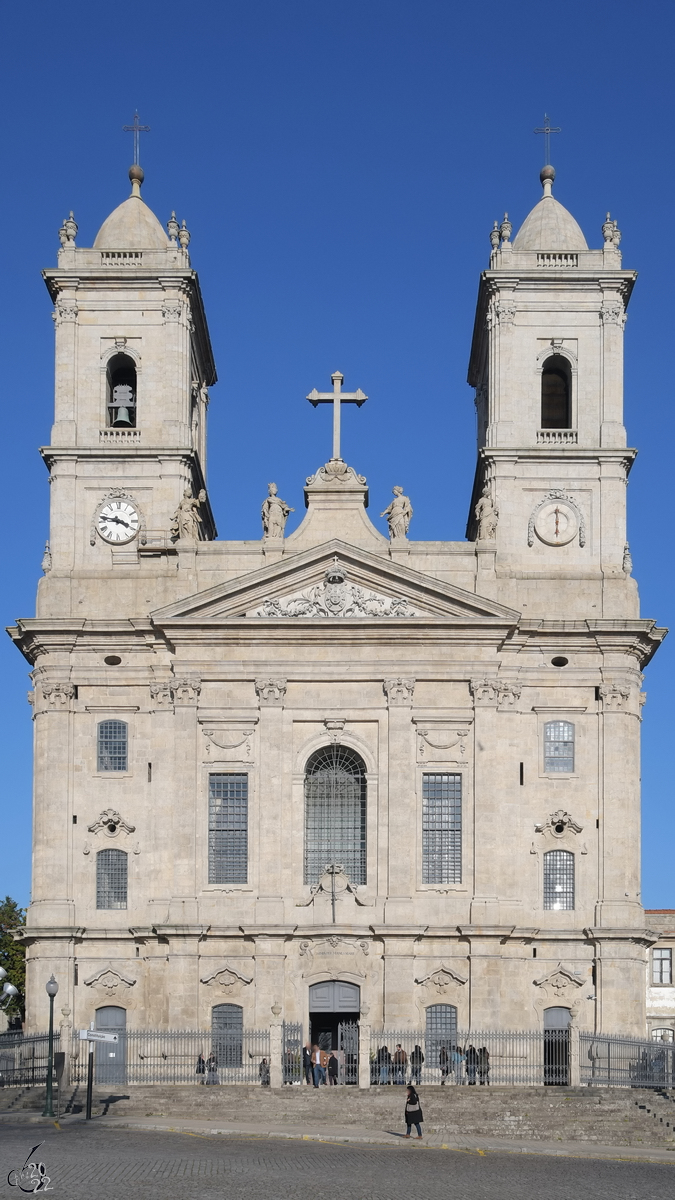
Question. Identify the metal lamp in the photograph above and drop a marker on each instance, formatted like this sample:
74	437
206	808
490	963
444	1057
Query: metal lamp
51	988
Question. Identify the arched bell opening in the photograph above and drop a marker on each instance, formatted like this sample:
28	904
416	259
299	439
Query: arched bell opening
121	392
556	393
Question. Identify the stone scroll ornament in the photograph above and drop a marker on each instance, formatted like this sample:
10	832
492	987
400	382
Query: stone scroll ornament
335	597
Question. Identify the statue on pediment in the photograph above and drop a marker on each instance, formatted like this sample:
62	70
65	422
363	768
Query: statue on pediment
398	514
274	513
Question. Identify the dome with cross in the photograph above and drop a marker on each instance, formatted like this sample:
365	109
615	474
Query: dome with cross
132	225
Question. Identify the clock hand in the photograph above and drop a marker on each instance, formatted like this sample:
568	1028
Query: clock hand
119	521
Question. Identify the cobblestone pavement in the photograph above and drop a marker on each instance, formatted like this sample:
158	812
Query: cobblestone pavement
109	1164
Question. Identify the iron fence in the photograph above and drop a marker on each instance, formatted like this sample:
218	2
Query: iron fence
612	1061
291	1052
24	1058
177	1056
470	1058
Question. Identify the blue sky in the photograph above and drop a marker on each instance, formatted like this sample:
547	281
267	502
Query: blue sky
339	166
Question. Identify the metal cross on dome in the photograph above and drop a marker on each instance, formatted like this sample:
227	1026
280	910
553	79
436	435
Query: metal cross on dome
137	129
547	129
337	398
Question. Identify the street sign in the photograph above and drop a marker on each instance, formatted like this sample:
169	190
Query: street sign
93	1035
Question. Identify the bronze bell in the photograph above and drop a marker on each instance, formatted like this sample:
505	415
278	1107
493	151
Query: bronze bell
122	401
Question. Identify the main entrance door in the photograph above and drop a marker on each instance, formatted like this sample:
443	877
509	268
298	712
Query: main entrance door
556	1046
111	1057
332	1004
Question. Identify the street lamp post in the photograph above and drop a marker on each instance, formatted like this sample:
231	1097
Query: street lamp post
51	988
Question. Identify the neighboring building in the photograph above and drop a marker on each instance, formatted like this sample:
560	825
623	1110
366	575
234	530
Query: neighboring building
660	982
336	774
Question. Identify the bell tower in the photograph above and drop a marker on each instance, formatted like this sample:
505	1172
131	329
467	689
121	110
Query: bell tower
133	368
549	501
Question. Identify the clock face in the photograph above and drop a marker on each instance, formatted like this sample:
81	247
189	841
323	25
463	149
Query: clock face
117	521
556	523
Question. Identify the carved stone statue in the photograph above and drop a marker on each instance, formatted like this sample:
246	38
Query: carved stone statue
487	515
274	513
398	514
186	519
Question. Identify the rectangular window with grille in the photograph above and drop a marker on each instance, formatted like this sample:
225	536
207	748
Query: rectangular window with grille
558	747
662	966
112	746
559	879
228	828
111	879
441	828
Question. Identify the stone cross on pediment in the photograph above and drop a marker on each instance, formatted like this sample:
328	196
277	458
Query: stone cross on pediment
337	398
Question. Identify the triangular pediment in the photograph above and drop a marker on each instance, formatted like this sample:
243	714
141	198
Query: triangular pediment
334	581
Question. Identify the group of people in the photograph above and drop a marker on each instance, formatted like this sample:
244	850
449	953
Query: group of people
319	1066
468	1065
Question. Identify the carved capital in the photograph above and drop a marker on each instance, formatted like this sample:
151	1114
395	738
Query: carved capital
58	695
613	313
485	692
161	695
270	692
186	690
613	697
399	692
172	310
65	311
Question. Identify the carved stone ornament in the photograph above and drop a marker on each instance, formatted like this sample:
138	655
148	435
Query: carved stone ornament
487	516
560	981
556	520
58	695
111	823
614	698
274	514
334	728
334	885
172	310
227	978
434	744
442	979
399	692
64	311
186	689
336	598
46	560
335	471
186	521
231	739
330	945
613	313
558	824
490	692
399	515
110	980
270	692
161	695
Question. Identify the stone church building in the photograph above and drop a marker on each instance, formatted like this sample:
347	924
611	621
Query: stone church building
334	773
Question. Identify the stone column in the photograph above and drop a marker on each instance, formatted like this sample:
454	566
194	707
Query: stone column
488	780
52	902
619	807
269	904
364	1048
276	1074
182	927
574	1066
401	799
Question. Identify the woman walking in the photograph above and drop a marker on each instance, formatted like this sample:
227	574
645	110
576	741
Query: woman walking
413	1112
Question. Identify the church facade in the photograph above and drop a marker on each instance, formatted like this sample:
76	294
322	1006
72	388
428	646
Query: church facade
334	772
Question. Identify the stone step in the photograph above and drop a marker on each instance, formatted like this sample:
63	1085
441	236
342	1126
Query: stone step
614	1116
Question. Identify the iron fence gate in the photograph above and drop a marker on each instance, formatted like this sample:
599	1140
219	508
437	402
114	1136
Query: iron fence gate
186	1056
24	1059
348	1046
291	1052
626	1062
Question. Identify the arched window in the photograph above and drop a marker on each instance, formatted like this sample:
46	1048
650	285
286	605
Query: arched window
440	1034
663	1035
556	393
112	748
559	879
558	747
111	879
335	813
121	391
227	1035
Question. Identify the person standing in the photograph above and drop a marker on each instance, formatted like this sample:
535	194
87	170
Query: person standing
444	1062
212	1069
484	1066
384	1063
471	1064
413	1112
333	1070
264	1073
400	1064
416	1060
317	1067
307	1063
201	1068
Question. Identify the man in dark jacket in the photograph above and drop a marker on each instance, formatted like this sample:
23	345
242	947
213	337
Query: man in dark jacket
307	1063
333	1070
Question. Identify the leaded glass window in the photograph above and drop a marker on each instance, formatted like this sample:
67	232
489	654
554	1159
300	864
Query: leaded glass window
440	1035
662	966
112	751
559	879
441	828
663	1035
228	828
227	1036
335	813
558	747
111	879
